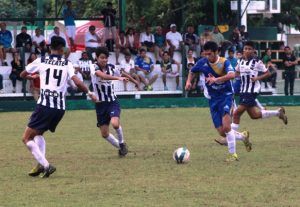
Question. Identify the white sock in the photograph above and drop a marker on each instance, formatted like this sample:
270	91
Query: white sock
239	136
112	139
234	126
40	141
35	151
269	113
230	136
120	135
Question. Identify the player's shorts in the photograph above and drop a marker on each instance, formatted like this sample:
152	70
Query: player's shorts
71	31
248	99
106	110
219	107
44	118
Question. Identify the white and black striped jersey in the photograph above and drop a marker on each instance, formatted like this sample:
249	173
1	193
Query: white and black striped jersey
104	89
249	69
54	72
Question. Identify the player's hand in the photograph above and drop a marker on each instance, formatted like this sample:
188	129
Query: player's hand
210	79
93	97
188	86
253	79
123	79
35	76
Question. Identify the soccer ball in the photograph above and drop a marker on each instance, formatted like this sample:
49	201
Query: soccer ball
181	155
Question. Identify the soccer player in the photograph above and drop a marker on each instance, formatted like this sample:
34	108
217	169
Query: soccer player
248	69
54	73
108	109
218	72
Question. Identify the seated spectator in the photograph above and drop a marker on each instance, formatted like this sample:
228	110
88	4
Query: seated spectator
38	42
5	43
205	37
1	84
160	43
72	88
17	68
128	67
191	40
191	61
167	70
23	40
174	40
92	41
56	32
122	45
217	36
236	39
133	41
83	66
267	60
35	82
147	39
144	67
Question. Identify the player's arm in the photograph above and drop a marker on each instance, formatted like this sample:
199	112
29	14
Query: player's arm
105	76
188	84
194	70
212	79
131	79
31	68
262	68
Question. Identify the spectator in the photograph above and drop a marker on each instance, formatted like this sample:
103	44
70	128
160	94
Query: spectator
1	84
267	60
35	82
109	22
160	43
217	36
244	35
144	67
231	58
205	37
38	42
5	43
289	61
17	68
72	88
191	61
69	16
167	71
56	32
147	39
127	67
191	40
92	41
133	41
236	39
174	40
23	40
122	45
83	66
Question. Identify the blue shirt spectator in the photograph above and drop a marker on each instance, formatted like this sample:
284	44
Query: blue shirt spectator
5	36
69	15
144	62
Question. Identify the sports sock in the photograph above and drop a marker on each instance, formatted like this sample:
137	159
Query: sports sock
40	141
120	135
230	136
35	151
235	126
238	135
269	113
112	139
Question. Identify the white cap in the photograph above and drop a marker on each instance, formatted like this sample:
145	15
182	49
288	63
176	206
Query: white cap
172	25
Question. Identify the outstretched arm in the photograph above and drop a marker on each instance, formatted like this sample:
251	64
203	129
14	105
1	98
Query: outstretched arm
109	77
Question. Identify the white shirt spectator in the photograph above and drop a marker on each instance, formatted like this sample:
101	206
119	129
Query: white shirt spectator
175	38
144	37
62	35
89	36
127	66
38	39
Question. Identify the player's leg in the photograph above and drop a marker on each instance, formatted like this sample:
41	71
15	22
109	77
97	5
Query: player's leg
104	130
177	82
257	113
230	137
164	79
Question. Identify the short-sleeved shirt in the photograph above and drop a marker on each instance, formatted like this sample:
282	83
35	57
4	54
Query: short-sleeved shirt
266	59
159	40
88	37
167	64
55	72
127	66
144	63
38	39
175	38
62	35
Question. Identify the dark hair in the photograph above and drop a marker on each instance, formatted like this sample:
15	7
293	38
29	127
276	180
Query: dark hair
210	45
57	43
92	27
287	47
250	44
142	50
268	49
190	50
122	32
230	50
108	4
102	50
165	52
24	27
127	54
29	60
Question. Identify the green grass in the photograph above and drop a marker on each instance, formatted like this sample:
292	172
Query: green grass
89	172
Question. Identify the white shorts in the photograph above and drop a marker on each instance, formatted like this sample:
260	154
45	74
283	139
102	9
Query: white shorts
148	75
172	74
71	31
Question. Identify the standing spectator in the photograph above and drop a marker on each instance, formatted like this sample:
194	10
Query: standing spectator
24	40
167	71
5	43
35	81
160	43
267	60
127	67
236	39
144	67
92	41
244	35
109	22
205	37
69	16
147	39
17	68
133	41
174	40
217	36
38	42
290	62
122	45
191	40
56	33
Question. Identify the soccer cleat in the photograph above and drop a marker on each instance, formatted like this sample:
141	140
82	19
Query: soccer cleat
246	141
48	171
232	158
149	88
37	170
282	115
221	141
123	150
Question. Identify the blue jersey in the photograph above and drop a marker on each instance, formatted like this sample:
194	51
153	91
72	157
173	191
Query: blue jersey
69	17
218	69
144	63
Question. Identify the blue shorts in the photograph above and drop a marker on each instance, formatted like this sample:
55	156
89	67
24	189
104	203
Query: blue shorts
237	87
106	110
44	118
248	99
219	107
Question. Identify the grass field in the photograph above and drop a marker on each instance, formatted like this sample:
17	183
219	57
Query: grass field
89	172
